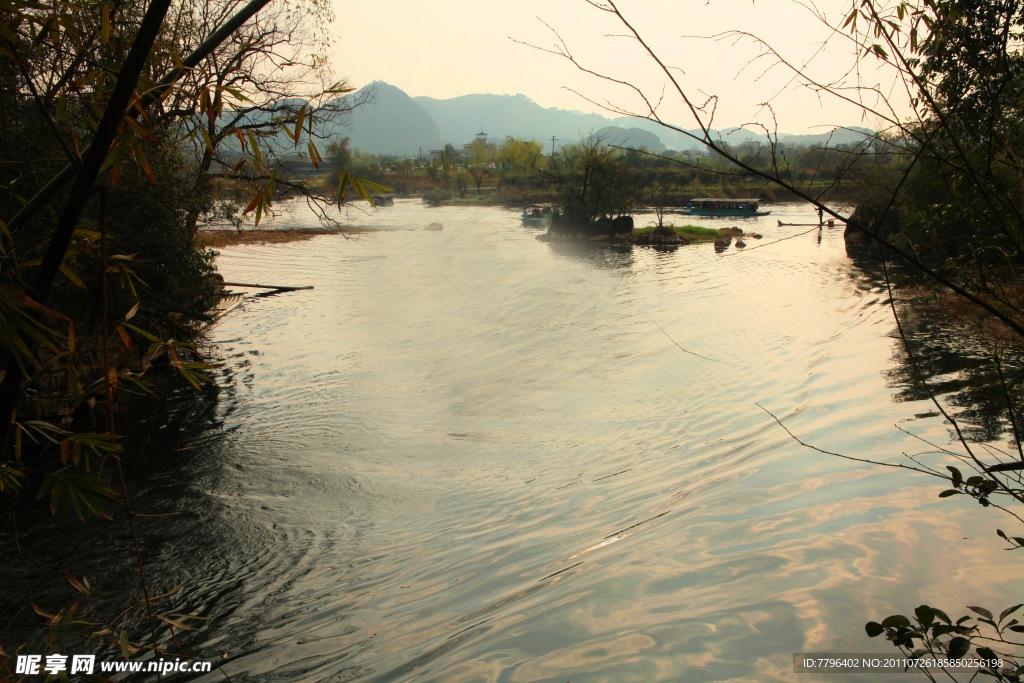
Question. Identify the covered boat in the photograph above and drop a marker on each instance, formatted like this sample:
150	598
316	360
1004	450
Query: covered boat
716	206
537	214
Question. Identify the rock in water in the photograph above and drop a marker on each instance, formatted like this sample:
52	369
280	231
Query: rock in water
740	243
434	226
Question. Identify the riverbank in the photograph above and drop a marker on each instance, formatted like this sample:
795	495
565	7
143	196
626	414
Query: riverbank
766	192
963	314
229	238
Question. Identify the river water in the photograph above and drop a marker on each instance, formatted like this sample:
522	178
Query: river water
469	455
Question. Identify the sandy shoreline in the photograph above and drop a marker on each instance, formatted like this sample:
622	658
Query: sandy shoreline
228	238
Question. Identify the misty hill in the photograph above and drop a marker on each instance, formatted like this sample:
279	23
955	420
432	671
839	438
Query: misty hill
392	124
839	136
737	136
400	125
460	118
630	137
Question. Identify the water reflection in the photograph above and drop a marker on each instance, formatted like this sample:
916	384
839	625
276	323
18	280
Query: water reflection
165	475
948	360
602	256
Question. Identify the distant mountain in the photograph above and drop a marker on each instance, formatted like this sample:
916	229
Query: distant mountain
670	138
400	125
839	136
737	136
392	124
460	118
630	137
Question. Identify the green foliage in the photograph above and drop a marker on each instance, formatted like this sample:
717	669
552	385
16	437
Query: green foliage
339	155
517	161
593	181
449	157
481	156
938	637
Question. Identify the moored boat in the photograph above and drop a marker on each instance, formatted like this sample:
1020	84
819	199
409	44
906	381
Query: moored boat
383	200
537	214
715	206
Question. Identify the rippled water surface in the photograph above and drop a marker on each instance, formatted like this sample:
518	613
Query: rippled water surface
468	455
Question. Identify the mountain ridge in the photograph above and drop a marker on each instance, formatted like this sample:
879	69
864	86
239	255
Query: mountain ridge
400	125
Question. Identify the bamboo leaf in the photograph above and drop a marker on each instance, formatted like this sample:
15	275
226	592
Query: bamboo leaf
254	203
75	583
312	154
9	476
206	139
142	132
105	31
376	186
255	148
337	89
125	338
71	275
143	162
145	334
298	125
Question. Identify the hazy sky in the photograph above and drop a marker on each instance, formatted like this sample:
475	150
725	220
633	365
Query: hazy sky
448	48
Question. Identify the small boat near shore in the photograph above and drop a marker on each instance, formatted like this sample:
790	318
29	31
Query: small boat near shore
383	200
537	215
717	206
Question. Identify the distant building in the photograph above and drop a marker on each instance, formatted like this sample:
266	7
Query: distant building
466	148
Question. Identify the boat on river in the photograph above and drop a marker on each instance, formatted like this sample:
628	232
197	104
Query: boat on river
537	215
383	200
717	206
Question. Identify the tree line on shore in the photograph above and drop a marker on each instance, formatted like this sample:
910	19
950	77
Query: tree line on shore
518	169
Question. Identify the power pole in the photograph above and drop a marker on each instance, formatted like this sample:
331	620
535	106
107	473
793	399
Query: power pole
553	138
